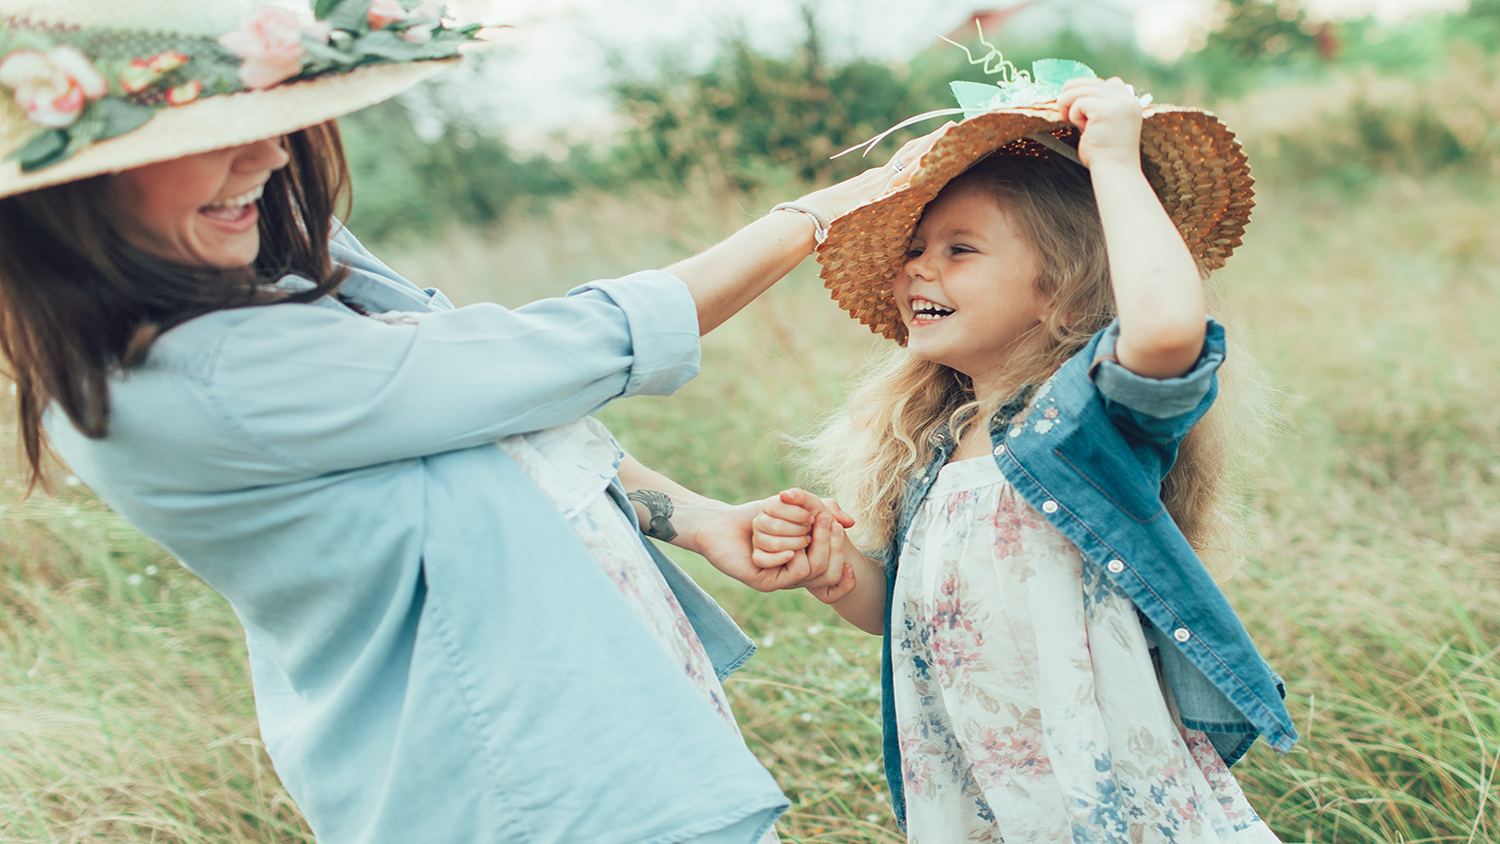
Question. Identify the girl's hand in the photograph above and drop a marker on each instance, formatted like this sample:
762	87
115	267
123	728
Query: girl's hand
784	527
1108	113
827	551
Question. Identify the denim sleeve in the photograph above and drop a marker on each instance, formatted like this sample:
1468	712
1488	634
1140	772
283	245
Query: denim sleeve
1157	410
346	250
326	391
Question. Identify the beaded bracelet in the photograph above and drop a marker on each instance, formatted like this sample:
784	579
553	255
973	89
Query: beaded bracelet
820	220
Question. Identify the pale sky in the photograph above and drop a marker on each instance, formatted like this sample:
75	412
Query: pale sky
548	72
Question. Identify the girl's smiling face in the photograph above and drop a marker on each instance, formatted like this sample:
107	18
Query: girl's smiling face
967	292
199	209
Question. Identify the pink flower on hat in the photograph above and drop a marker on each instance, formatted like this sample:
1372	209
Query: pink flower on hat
53	87
383	13
270	42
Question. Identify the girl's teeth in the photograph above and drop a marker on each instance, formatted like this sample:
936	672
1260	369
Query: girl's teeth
929	309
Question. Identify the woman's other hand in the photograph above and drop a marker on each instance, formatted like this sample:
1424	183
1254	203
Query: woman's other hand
801	532
838	200
724	538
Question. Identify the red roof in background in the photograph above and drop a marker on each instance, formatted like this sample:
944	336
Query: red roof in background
992	20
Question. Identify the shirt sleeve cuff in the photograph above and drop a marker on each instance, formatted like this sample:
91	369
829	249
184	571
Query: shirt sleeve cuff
663	321
1162	398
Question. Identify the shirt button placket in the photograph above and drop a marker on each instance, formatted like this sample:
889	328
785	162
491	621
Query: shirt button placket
1181	634
1115	566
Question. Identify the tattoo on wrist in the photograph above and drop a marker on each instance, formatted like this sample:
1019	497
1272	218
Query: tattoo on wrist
659	507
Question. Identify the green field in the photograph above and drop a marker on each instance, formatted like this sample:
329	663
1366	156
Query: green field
125	711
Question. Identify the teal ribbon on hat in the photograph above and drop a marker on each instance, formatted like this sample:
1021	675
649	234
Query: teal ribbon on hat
1015	88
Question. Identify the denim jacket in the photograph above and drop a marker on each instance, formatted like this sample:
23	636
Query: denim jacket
1088	451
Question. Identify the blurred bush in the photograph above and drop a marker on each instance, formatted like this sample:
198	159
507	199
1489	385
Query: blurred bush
405	184
1358	126
750	119
1338	104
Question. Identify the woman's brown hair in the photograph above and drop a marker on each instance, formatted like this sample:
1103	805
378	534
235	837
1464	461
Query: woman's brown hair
77	303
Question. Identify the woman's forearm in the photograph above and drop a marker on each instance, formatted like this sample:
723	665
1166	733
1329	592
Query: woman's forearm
729	276
667	510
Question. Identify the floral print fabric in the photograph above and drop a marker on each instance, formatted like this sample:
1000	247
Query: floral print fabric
574	464
1028	704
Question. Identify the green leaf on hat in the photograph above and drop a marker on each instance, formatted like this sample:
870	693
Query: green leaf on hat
973	97
89	127
387	45
351	16
391	47
45	147
329	55
323	8
120	116
1054	72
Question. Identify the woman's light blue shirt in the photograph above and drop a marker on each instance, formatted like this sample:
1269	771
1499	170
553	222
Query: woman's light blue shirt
436	657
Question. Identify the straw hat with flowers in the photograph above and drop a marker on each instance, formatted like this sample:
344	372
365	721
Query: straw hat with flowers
1190	158
99	86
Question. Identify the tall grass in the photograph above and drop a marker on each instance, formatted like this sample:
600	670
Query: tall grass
125	714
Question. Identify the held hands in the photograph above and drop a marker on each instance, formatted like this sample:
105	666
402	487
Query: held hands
725	539
798	529
1109	116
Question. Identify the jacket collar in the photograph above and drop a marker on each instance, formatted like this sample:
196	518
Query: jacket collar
943	443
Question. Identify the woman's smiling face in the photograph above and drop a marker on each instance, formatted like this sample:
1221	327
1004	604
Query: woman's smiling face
967	292
199	209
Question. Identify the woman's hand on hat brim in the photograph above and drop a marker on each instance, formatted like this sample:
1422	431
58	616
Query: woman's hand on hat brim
838	200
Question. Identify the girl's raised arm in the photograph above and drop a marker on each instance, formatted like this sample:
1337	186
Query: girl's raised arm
1158	291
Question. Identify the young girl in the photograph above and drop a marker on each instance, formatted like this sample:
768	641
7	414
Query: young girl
1058	664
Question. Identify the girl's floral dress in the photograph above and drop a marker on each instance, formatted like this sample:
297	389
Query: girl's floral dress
574	464
1027	702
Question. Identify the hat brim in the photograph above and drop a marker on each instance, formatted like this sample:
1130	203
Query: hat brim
229	120
1193	162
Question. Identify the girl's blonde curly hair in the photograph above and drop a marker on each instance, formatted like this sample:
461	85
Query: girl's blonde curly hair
865	452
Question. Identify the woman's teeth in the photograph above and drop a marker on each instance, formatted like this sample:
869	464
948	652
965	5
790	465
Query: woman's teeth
238	202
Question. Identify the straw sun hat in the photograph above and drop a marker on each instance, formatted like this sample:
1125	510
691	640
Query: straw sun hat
1191	160
98	86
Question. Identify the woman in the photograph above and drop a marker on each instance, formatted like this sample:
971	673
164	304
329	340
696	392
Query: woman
449	641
